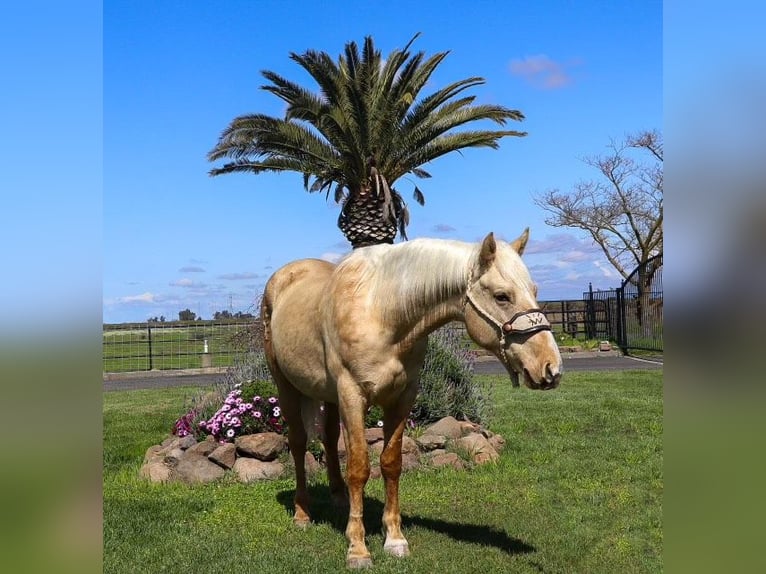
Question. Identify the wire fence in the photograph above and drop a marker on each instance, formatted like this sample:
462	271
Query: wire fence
175	344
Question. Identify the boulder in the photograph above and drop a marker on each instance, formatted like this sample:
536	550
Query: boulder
448	427
205	447
252	469
264	446
195	468
478	447
447	459
156	471
225	455
497	442
429	442
373	434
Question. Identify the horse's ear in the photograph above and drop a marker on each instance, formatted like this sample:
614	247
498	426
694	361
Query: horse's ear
488	250
520	243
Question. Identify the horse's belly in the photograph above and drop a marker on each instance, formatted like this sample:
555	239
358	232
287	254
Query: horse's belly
299	353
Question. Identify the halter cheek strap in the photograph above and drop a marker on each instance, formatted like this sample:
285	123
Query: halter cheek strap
522	323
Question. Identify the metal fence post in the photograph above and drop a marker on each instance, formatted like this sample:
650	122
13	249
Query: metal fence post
149	329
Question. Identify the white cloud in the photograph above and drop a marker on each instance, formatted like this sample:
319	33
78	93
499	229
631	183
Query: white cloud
142	298
541	72
186	282
443	228
606	270
191	269
239	276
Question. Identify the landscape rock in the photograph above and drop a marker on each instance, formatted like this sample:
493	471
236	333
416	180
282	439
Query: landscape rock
448	427
205	447
156	472
225	455
253	457
478	447
430	442
409	446
264	446
195	468
186	442
252	469
447	459
497	442
154	453
172	456
372	435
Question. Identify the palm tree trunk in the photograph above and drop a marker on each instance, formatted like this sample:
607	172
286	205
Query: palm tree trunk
362	221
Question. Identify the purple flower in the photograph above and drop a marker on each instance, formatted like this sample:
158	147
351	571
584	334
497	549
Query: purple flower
276	411
257	414
230	433
273	400
256	399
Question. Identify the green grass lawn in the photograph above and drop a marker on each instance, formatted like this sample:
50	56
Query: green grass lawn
578	488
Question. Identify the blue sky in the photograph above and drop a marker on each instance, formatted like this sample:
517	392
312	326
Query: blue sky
175	74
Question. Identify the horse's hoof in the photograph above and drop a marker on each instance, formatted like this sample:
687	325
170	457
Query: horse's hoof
398	549
359	562
302	523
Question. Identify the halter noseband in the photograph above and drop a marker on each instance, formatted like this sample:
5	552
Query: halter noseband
522	323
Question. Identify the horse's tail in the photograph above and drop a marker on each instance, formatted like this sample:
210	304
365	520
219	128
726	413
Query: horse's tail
310	408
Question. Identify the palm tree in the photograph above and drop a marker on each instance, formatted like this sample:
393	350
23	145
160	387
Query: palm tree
365	128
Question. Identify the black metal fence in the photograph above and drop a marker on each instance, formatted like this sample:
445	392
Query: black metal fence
640	299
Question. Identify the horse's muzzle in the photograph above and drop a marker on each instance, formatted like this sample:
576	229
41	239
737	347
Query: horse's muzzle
550	381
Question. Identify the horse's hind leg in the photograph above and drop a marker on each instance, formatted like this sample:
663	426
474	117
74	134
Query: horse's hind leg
330	440
290	402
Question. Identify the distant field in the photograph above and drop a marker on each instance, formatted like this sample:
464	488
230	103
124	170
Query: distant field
171	346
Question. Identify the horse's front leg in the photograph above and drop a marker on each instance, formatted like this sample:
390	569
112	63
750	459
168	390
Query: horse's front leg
394	421
352	410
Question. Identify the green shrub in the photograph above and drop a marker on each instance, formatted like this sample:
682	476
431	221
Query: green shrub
447	385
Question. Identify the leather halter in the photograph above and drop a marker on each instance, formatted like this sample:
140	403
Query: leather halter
522	323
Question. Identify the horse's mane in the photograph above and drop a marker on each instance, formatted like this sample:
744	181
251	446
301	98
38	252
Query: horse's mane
406	278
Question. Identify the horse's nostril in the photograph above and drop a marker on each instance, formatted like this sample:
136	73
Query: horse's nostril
552	377
549	376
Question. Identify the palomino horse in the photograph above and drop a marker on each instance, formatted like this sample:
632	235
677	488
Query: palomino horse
355	335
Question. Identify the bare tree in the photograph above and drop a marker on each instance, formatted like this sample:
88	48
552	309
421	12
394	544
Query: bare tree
622	210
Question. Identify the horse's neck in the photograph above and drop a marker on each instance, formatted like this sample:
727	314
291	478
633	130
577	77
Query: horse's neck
422	286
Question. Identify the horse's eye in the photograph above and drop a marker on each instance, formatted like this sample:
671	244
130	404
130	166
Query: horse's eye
502	298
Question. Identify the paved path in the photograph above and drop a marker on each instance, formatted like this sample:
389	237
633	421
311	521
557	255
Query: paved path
484	366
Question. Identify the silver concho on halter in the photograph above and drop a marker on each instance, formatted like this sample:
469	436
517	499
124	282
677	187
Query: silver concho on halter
526	322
